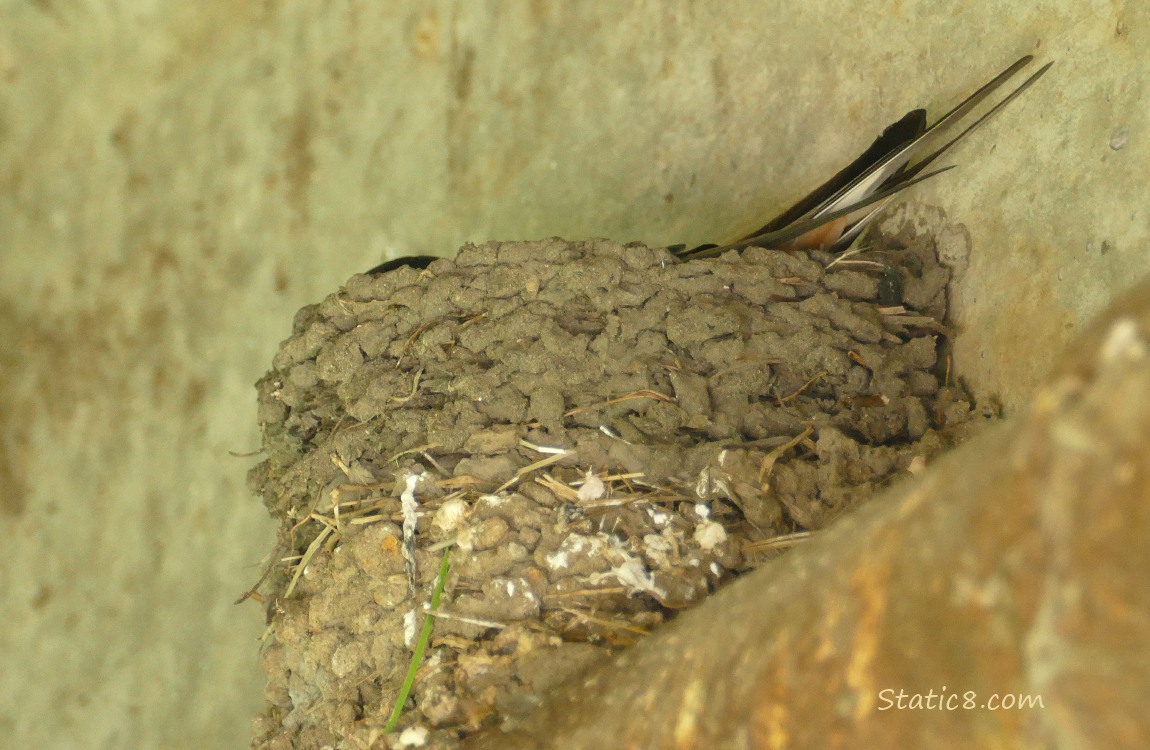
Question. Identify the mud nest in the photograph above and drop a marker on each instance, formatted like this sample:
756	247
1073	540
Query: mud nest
601	435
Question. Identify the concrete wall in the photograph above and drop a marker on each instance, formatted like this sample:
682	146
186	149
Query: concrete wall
176	179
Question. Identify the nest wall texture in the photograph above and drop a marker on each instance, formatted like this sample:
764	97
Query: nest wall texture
604	436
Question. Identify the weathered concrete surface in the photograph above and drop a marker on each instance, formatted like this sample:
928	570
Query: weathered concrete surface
999	601
176	180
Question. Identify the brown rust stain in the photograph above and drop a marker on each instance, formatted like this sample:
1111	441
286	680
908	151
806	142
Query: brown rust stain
53	365
425	37
15	451
870	583
299	162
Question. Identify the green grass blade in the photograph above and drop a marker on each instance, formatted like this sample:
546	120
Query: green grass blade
421	644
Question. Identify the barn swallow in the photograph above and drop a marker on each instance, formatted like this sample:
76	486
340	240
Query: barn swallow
832	216
415	261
